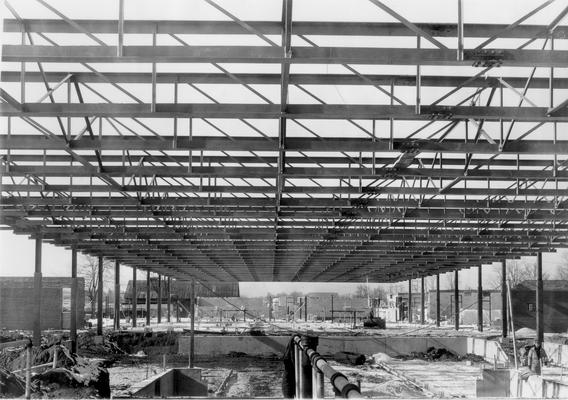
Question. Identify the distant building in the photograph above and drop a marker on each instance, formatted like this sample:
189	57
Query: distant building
467	303
555	310
180	292
17	303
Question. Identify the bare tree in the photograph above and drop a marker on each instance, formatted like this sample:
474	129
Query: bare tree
562	271
519	271
363	290
89	269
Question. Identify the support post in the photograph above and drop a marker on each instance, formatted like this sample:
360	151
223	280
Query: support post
460	30
480	299
134	297
169	290
297	370
438	299
192	326
117	295
539	300
73	319
422	305
37	292
410	301
100	298
332	309
306	308
456	301
504	298
159	298
148	294
120	27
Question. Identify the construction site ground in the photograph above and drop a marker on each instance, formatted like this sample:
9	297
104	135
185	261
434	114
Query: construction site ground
143	353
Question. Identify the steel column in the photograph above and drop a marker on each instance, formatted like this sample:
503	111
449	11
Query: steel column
37	291
480	299
438	299
456	301
410	301
159	298
169	299
422	305
117	295
504	324
539	300
100	297
134	298
73	318
192	326
148	296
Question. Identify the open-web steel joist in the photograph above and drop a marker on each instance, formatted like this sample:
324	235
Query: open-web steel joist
287	153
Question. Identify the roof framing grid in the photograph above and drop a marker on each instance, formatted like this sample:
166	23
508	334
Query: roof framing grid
279	157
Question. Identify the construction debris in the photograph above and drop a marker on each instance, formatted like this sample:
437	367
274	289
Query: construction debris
348	357
374	323
440	354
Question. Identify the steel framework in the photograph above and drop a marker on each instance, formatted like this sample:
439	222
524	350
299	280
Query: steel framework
136	153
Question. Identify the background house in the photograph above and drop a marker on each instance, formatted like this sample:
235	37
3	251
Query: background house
555	297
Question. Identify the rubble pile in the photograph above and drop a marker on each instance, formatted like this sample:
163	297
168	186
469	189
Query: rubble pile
73	376
87	378
439	354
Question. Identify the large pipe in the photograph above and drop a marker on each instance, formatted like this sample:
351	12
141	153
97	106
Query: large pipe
73	318
297	372
340	383
37	292
100	297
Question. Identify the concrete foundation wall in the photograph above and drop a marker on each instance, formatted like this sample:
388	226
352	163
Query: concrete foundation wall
275	345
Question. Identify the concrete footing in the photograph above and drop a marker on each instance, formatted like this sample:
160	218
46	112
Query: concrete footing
170	383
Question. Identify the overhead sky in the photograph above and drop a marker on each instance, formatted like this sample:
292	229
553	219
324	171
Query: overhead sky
17	252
